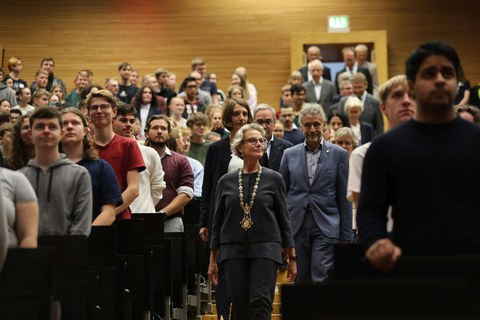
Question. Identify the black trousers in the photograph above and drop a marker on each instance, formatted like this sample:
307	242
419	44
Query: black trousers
251	286
222	297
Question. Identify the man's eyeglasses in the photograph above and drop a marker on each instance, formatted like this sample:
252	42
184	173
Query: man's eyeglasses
101	107
254	141
264	121
308	125
125	120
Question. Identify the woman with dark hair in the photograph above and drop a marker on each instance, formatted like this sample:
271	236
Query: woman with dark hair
22	147
235	92
250	227
218	161
5	105
336	120
58	91
78	148
146	103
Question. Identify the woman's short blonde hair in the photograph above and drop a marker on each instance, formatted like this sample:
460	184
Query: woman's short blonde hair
345	132
353	102
238	139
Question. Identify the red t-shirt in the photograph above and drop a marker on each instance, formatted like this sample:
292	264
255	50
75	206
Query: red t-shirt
124	155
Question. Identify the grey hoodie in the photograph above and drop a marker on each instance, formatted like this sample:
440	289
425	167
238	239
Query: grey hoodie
64	195
9	94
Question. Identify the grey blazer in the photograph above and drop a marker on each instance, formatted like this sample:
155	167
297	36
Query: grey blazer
326	94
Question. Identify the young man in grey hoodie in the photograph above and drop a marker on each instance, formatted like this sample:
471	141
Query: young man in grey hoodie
63	188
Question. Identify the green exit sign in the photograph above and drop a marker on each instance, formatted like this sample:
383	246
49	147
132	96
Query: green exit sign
338	24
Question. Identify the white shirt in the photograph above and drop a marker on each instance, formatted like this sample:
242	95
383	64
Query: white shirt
317	86
151	182
144	109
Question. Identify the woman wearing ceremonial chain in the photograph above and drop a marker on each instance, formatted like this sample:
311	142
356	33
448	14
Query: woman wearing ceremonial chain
250	227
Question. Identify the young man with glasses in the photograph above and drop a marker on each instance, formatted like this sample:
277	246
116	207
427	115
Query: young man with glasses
195	100
123	154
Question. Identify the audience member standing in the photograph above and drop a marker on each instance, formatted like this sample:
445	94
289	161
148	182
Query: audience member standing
121	153
314	53
77	146
439	213
274	147
126	90
81	81
198	145
178	174
24	97
319	90
361	54
64	189
15	66
151	182
22	147
398	106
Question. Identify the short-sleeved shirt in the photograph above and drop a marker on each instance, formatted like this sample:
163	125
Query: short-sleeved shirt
123	155
105	187
15	188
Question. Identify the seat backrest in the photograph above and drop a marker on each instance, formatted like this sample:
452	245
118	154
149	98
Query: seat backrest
28	269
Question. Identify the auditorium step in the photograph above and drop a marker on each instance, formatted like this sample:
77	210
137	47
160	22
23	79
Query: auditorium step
276	312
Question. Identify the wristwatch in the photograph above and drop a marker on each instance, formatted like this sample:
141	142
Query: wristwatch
163	213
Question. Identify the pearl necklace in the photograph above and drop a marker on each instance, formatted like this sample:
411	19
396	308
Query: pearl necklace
247	222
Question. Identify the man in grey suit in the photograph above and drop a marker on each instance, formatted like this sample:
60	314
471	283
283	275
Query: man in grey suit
352	67
371	106
265	116
315	174
319	90
314	53
361	53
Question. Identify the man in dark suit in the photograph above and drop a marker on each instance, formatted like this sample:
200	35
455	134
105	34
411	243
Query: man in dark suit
371	106
351	66
319	90
314	53
265	116
315	174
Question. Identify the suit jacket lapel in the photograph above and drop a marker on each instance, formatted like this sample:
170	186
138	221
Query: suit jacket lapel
324	154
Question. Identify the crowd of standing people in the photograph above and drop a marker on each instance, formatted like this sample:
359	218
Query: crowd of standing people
278	186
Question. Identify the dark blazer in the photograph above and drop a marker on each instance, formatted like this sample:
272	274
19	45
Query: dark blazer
326	94
276	152
371	113
366	131
362	70
217	159
327	74
151	112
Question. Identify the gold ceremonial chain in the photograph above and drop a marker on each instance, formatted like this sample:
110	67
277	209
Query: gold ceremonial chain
247	222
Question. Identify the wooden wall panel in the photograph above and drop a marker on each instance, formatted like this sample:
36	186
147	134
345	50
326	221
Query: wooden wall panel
255	34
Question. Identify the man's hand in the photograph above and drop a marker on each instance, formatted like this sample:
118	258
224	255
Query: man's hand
383	254
203	233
